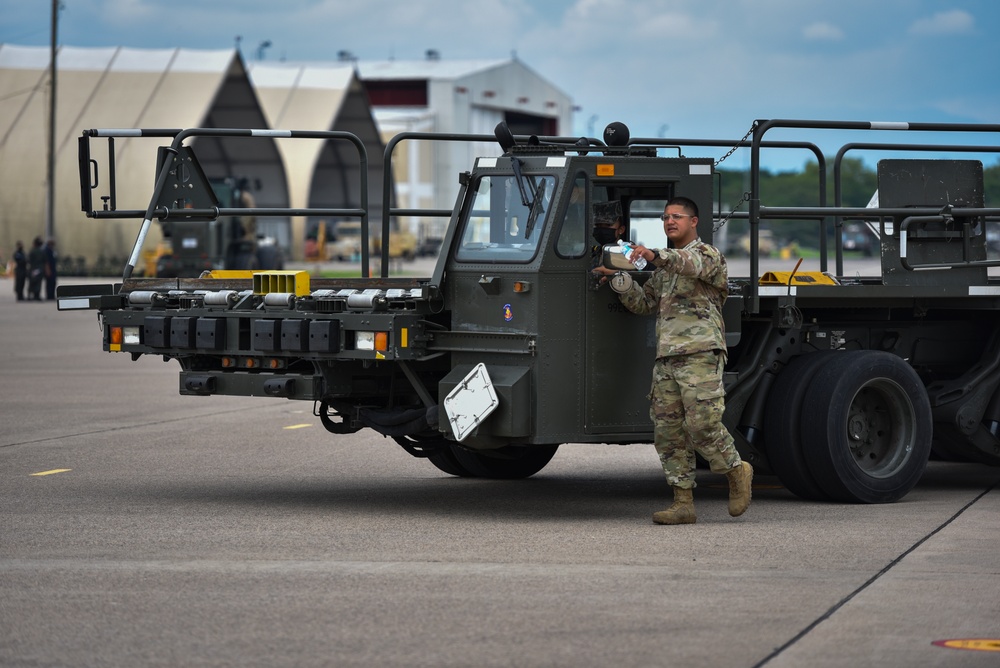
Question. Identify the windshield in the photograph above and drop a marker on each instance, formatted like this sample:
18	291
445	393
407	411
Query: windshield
500	225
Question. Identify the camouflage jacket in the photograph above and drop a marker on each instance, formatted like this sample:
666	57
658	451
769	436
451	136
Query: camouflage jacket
686	291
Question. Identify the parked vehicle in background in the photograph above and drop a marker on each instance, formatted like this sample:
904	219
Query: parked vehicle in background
858	238
766	244
347	245
192	246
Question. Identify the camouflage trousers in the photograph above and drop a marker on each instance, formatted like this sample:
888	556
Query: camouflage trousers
686	404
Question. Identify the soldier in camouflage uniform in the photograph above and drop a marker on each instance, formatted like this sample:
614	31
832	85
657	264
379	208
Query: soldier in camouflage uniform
686	292
608	227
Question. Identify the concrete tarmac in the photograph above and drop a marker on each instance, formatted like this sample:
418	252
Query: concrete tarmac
142	528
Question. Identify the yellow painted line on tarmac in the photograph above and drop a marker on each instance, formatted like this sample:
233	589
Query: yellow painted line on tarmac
979	644
50	472
298	426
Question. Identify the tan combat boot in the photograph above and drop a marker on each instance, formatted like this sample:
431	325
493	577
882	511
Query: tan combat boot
682	512
740	478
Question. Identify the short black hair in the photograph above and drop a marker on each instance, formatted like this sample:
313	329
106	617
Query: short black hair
688	204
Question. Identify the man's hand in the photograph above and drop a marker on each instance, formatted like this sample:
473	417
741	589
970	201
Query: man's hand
646	254
604	273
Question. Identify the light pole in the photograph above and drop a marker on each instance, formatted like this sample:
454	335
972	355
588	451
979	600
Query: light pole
50	177
266	44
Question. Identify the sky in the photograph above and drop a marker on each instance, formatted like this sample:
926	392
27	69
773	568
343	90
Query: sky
666	68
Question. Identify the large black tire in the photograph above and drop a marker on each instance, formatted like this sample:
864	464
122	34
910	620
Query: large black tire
866	427
507	463
446	461
783	426
436	449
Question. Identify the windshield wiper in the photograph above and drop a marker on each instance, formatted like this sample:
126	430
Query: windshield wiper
536	208
526	199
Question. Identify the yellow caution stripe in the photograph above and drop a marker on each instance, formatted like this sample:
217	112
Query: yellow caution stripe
799	278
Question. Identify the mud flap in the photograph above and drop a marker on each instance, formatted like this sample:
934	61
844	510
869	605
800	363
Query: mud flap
470	402
511	417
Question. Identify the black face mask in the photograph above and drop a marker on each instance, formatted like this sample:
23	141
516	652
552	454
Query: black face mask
606	236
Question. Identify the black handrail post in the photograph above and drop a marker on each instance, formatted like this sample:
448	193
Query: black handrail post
753	305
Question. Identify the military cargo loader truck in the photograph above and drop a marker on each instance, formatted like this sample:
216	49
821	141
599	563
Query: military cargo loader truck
843	386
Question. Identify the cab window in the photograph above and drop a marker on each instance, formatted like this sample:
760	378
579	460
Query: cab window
645	227
576	234
505	220
572	241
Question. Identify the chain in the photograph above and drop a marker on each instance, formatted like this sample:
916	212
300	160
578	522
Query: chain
746	195
753	126
745	198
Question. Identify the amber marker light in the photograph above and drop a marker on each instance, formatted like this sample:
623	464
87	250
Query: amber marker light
116	335
372	341
228	362
605	170
522	286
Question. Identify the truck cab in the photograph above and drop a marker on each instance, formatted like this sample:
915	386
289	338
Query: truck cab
519	276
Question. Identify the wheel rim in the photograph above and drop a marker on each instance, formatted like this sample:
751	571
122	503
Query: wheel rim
881	427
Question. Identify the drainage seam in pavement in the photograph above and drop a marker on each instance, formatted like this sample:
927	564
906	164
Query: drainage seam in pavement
829	613
185	418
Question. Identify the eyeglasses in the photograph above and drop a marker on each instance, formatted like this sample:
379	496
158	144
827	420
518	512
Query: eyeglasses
675	216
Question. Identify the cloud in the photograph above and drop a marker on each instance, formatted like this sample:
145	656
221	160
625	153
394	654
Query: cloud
822	32
703	68
954	22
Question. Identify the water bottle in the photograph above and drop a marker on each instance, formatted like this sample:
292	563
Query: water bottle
627	248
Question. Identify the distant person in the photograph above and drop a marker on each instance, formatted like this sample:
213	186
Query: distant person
248	222
36	269
311	248
51	260
20	270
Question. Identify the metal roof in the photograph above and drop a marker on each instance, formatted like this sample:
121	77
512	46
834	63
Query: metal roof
321	96
118	88
425	69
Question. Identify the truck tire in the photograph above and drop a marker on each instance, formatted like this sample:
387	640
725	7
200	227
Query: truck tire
447	462
507	463
783	426
438	451
866	427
